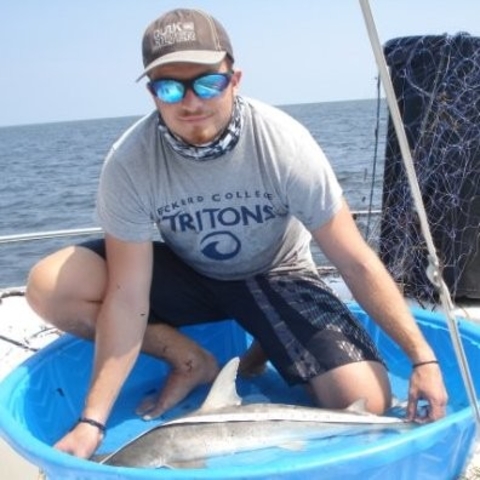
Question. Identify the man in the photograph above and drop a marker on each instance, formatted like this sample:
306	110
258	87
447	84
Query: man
237	190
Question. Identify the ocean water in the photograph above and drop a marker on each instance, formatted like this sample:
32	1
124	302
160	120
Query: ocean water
50	172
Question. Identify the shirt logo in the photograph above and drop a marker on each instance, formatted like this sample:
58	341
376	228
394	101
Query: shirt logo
216	223
220	245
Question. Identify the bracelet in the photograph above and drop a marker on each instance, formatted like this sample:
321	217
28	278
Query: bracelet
428	362
93	423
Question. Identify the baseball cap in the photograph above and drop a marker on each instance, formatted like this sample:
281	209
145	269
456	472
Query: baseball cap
184	35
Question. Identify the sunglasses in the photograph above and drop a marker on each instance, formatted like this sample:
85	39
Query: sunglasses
206	86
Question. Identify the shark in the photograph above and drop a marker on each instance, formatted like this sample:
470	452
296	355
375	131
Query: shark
225	425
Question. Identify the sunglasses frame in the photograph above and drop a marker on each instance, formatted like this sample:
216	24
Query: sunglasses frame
189	84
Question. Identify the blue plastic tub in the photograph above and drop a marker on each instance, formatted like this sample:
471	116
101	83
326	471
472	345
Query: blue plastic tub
41	399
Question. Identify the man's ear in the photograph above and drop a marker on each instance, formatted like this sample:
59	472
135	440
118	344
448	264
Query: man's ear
236	78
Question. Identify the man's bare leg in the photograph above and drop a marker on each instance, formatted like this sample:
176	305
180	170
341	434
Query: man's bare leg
67	289
253	361
338	388
190	365
342	386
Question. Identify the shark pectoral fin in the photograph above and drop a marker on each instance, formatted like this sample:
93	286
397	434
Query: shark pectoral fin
223	392
294	445
199	463
359	406
397	403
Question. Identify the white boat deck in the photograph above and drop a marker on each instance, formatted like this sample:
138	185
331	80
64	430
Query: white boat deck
22	332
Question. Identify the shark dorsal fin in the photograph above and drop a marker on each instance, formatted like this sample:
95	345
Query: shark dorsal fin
223	392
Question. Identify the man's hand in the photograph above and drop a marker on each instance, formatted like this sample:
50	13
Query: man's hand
426	383
81	441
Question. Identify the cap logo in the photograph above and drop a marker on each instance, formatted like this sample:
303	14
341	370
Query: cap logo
175	33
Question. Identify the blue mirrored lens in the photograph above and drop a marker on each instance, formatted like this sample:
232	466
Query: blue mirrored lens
169	90
210	86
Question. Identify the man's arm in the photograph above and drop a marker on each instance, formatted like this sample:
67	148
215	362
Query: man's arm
120	328
373	287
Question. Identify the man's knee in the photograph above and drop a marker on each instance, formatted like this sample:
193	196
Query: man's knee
343	386
41	283
73	273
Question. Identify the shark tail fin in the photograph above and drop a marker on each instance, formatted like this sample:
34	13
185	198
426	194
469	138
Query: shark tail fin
223	392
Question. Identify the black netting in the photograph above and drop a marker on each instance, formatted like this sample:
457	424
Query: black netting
437	83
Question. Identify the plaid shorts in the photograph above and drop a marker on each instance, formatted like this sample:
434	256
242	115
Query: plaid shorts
303	327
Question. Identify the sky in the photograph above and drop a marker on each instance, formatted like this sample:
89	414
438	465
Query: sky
67	60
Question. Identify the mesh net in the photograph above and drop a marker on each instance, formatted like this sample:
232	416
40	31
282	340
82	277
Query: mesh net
437	84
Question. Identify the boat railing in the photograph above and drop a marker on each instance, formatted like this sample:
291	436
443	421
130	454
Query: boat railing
75	232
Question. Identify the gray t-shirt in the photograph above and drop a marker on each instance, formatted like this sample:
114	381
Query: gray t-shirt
247	212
